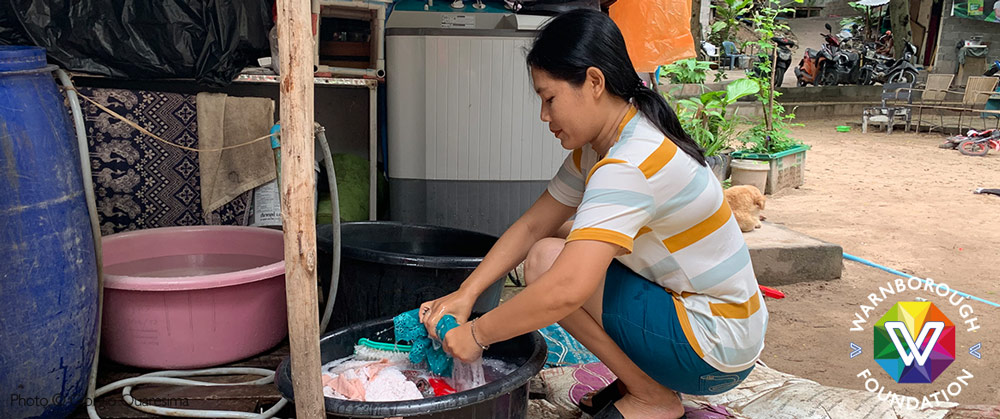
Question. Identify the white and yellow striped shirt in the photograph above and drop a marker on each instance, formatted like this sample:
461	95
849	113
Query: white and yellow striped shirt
669	212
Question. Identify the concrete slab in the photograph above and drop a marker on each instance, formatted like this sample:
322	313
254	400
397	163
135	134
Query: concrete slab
781	256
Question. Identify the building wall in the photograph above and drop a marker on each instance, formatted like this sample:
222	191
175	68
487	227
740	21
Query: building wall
838	8
954	29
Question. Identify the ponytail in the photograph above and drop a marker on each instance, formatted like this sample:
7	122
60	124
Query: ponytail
579	39
657	111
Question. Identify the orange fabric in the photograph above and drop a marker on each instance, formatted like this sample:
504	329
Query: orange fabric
737	310
682	317
700	230
656	32
659	158
603	235
577	157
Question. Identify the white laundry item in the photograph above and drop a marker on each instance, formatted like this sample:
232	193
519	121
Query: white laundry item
390	386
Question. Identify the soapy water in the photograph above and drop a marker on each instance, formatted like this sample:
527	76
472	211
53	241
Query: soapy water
351	378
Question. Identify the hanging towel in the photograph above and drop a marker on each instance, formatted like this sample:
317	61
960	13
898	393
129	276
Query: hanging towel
226	121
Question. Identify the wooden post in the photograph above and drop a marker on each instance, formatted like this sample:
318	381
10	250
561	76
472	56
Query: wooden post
298	216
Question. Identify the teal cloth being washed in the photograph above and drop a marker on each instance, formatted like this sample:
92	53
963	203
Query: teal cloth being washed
408	328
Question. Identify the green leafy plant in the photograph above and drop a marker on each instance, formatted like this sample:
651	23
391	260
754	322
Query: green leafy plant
758	139
770	134
705	117
727	17
727	20
859	20
686	71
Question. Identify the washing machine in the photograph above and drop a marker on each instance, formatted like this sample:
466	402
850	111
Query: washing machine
466	147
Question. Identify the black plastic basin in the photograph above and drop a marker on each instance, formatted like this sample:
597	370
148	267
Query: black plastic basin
506	397
387	268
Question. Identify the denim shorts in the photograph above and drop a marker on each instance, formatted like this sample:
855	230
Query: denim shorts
641	318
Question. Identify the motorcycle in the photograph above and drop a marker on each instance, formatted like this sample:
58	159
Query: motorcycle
781	64
845	68
817	67
881	69
974	143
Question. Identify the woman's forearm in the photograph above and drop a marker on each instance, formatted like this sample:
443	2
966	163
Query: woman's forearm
540	221
573	278
537	306
506	254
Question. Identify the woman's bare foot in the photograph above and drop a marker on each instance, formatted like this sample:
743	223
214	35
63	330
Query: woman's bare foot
632	406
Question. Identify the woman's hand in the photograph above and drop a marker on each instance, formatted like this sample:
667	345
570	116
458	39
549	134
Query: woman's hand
460	344
458	304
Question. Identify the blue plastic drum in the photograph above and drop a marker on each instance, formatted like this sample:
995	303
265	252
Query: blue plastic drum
48	273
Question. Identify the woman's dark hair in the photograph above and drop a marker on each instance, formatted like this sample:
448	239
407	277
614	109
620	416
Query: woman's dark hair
576	40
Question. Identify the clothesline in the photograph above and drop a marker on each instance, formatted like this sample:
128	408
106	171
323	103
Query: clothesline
146	132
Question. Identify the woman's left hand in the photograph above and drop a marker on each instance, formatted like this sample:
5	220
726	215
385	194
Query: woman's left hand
459	343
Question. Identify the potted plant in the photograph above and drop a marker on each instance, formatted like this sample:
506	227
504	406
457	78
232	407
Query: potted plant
688	76
705	118
686	71
768	140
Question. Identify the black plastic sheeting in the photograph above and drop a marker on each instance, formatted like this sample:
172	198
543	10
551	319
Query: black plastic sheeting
551	7
210	40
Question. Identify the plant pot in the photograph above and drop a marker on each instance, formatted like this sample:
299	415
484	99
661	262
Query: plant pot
719	165
750	172
728	157
786	168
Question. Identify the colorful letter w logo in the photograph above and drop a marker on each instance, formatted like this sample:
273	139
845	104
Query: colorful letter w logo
912	350
909	360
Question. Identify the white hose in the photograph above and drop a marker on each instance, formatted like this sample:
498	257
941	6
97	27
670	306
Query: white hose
331	178
95	227
162	377
169	378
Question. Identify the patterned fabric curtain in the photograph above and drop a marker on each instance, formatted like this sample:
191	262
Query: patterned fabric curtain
143	183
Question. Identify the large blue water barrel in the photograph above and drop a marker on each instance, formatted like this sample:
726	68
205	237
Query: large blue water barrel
48	286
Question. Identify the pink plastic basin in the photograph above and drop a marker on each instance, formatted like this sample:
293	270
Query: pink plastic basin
192	297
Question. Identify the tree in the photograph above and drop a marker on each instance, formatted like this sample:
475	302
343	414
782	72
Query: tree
696	23
899	17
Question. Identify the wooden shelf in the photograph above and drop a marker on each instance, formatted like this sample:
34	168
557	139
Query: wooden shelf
345	49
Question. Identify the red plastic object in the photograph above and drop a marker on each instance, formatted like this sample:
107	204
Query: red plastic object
771	292
441	388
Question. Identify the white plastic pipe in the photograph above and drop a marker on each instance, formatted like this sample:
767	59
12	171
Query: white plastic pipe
88	188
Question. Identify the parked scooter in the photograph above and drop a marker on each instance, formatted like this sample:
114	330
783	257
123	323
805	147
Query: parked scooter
817	67
882	69
847	57
781	64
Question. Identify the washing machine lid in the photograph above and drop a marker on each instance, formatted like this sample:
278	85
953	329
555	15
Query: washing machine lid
523	22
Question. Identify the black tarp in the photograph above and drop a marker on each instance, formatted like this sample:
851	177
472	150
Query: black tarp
210	41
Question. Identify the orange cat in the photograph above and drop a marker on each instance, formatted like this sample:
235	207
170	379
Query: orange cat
747	202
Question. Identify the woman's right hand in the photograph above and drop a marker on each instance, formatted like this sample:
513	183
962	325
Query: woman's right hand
458	304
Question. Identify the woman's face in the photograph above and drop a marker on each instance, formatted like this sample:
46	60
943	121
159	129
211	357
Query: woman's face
571	111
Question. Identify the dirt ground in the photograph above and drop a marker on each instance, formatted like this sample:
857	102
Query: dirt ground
902	202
